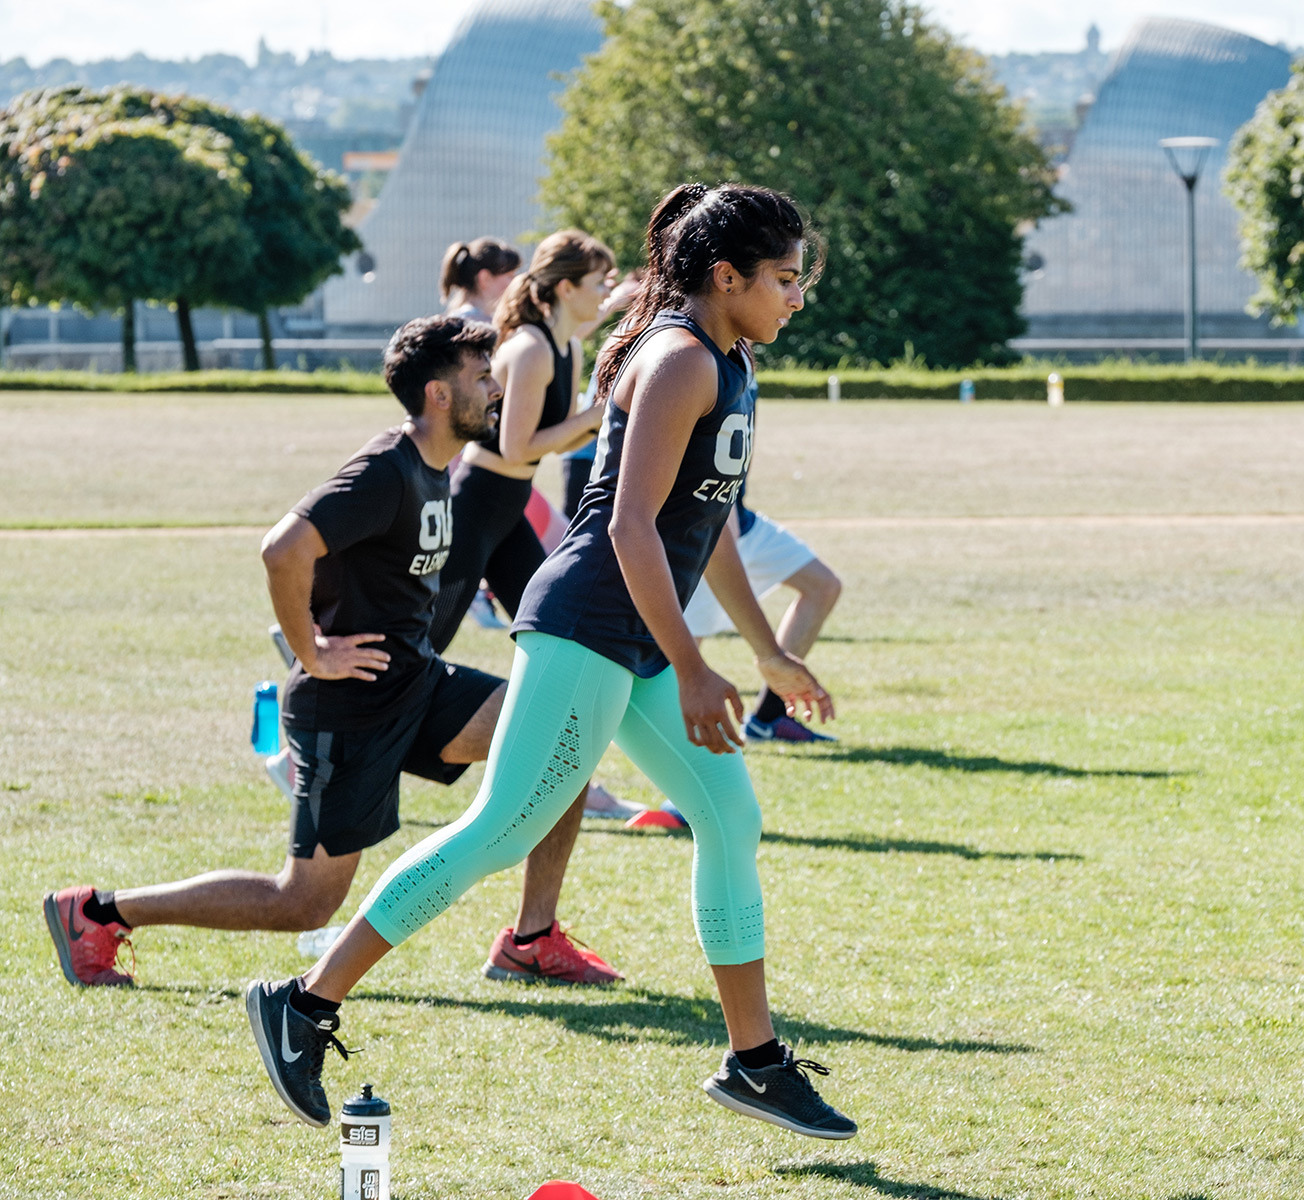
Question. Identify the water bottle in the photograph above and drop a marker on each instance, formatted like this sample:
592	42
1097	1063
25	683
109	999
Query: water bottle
966	391
266	733
835	389
313	943
364	1147
1054	389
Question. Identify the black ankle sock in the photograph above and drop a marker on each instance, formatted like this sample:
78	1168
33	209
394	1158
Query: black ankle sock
524	939
103	910
769	707
306	1002
770	1054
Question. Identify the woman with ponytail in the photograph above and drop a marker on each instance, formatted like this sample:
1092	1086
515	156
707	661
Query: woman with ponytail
472	281
538	364
474	277
603	653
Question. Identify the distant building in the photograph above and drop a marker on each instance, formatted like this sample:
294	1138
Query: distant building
472	160
1115	267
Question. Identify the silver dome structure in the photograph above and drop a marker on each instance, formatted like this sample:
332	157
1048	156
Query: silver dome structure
472	160
1116	265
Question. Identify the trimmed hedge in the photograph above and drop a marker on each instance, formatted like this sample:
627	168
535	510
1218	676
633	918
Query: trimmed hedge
338	382
1117	381
1106	381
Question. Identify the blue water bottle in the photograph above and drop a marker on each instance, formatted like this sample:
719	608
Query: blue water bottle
266	733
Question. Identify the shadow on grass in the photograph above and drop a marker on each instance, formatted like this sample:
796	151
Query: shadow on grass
871	845
865	1174
853	639
875	845
182	989
632	1014
919	756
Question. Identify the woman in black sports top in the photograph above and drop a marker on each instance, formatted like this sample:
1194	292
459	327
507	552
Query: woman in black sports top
538	362
603	652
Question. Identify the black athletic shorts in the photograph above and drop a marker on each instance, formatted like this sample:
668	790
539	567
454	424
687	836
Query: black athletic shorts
346	782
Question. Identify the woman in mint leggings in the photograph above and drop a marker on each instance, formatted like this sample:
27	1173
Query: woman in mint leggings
603	654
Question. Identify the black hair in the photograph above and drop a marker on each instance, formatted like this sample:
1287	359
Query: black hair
463	261
431	348
694	228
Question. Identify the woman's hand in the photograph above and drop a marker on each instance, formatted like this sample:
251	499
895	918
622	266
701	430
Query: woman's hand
706	699
788	678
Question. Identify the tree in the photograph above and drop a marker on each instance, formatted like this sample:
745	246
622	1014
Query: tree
101	210
1265	180
278	234
293	211
891	135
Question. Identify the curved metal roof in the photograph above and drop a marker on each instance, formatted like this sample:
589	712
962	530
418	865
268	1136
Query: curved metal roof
1123	248
473	156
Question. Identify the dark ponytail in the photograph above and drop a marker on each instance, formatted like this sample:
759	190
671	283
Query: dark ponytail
463	262
691	230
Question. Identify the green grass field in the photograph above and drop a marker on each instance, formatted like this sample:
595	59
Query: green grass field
1040	909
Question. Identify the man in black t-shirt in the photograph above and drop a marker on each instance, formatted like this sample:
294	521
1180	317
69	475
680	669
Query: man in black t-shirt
353	572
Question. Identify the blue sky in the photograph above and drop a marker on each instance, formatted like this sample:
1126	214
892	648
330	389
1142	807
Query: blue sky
84	29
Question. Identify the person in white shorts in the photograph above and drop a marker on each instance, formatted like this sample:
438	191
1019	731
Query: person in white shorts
773	557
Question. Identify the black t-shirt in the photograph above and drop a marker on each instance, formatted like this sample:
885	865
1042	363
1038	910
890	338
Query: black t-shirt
387	523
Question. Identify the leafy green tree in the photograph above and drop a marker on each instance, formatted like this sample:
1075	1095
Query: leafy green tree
293	211
911	163
242	221
1265	180
101	210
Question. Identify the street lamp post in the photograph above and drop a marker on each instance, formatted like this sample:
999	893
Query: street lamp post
1187	155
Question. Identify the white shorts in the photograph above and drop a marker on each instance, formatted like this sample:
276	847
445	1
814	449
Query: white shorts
770	555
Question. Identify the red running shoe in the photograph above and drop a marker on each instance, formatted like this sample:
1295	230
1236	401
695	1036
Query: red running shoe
553	957
88	951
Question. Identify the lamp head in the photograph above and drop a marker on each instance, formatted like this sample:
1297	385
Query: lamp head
1187	155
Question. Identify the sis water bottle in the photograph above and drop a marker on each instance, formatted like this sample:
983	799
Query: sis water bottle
364	1147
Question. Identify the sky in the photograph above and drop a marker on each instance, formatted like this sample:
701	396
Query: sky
93	29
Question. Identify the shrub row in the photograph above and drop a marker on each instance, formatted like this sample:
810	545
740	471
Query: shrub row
1120	381
363	382
1107	381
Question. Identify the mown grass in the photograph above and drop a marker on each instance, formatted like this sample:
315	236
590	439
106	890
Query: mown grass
1039	909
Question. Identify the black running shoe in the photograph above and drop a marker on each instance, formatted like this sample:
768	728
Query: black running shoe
293	1047
781	1094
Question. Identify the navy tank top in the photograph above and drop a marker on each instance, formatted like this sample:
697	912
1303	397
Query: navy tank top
579	593
556	400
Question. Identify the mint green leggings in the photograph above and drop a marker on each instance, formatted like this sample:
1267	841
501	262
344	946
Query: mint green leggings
564	706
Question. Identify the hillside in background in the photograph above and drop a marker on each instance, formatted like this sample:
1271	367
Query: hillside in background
333	105
329	105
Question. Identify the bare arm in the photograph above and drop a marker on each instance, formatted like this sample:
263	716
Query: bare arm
669	395
524	366
290	553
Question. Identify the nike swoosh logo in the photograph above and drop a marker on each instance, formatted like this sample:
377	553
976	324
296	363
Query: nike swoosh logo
286	1052
74	934
526	964
758	1088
